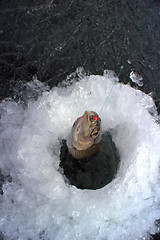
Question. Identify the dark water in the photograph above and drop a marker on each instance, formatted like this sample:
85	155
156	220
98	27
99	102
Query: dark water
51	38
95	173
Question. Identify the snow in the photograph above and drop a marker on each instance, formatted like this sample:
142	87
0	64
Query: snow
39	204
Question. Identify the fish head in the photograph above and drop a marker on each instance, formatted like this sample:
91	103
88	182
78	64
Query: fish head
86	130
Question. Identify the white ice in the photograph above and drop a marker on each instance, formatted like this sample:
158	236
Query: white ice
39	204
136	78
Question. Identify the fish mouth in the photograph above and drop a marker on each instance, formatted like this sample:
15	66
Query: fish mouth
96	130
94	133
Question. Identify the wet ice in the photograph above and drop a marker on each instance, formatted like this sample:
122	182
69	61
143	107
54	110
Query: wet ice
39	203
136	78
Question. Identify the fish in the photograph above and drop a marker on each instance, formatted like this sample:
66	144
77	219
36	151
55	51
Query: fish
85	138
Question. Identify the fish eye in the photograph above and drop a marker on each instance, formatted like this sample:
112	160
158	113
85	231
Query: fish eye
93	118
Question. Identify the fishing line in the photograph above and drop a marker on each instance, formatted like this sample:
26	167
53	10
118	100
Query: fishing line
141	28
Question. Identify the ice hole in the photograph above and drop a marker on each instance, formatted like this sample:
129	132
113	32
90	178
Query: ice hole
97	172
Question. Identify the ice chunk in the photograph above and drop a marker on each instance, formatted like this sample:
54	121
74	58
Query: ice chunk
136	78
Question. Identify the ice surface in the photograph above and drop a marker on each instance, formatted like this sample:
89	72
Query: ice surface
38	204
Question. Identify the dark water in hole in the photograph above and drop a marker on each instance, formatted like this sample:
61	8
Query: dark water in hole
52	38
97	172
